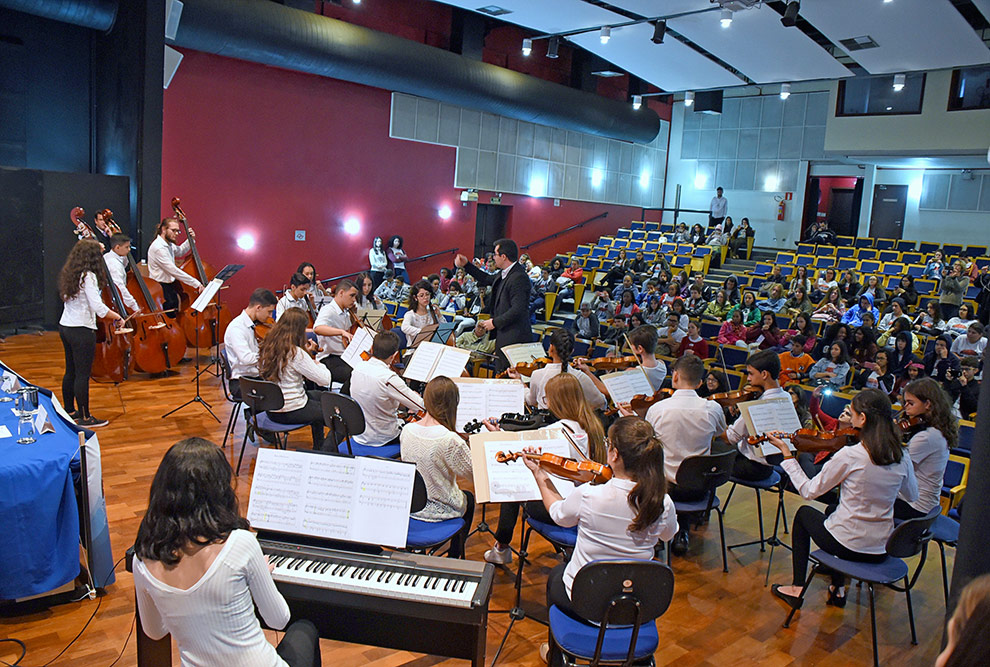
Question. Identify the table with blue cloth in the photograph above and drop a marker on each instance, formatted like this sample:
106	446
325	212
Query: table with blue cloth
39	515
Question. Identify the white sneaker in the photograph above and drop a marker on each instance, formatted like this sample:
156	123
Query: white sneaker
545	652
499	556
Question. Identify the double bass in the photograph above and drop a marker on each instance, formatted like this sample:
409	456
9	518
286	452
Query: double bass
112	359
204	329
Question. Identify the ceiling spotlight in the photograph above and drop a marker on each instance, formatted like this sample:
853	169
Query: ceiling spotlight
689	98
552	47
605	34
791	14
659	30
899	81
637	101
527	46
785	91
726	19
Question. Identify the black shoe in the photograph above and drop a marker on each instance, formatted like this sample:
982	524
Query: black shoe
679	546
792	600
835	600
268	436
92	422
75	415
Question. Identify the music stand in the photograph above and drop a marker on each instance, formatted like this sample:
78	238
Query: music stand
223	275
443	332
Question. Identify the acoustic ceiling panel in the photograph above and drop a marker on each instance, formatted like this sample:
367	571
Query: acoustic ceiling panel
543	15
984	7
671	66
910	34
760	47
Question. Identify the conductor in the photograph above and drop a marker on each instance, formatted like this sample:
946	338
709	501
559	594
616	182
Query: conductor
509	303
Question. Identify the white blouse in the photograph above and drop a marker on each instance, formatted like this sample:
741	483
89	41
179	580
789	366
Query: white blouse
83	309
299	368
930	454
538	387
441	456
413	323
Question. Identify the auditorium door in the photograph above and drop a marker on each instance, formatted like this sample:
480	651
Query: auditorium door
489	227
889	204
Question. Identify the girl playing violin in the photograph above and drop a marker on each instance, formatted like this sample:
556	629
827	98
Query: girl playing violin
623	518
560	352
871	475
936	433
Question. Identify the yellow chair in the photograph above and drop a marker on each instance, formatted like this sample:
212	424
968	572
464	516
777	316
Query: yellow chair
953	495
549	300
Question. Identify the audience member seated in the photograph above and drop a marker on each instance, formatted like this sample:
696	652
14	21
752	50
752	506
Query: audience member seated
941	364
832	369
854	316
960	324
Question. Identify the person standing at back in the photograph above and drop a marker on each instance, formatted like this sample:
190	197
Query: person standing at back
718	208
162	266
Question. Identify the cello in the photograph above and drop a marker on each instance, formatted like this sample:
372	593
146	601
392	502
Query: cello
112	359
212	322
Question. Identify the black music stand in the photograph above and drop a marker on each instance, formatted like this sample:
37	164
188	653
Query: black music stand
214	368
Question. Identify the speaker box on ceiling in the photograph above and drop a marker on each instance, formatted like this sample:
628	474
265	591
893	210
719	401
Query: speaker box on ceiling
708	101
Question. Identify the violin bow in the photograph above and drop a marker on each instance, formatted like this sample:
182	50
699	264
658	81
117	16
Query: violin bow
566	431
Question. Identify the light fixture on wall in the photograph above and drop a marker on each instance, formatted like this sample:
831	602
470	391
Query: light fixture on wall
637	101
552	47
597	177
689	98
605	34
785	91
726	19
445	212
789	20
245	241
352	226
659	30
527	46
899	81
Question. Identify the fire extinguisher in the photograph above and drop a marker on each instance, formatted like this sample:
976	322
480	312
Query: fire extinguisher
781	208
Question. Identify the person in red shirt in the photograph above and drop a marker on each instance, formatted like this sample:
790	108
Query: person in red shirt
733	332
693	343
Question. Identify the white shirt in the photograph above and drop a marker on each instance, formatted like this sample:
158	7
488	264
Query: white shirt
602	514
214	622
83	309
332	315
577	434
719	206
656	374
299	368
865	516
161	262
413	323
379	391
241	346
441	456
538	387
738	433
930	454
678	334
962	347
287	302
685	424
117	267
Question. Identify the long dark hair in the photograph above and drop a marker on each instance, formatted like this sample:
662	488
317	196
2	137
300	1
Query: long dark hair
940	413
441	397
85	257
191	502
878	434
641	452
422	284
563	342
279	346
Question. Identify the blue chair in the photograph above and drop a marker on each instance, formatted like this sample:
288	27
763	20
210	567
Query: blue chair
909	539
344	418
772	483
945	532
561	539
618	602
428	536
731	356
261	396
705	474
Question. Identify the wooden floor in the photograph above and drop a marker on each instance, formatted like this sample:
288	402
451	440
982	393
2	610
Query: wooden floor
715	618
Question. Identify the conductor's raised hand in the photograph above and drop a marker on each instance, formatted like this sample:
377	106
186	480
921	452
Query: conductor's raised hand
460	260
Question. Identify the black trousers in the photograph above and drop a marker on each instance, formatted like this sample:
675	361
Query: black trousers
170	298
809	524
508	513
557	592
904	511
340	370
458	541
376	278
234	387
311	413
948	310
79	344
750	470
300	647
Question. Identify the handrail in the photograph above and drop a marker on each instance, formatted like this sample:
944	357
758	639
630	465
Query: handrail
408	261
564	231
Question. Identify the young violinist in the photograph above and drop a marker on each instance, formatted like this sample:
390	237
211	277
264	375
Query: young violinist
422	313
379	391
162	264
870	475
297	296
560	353
366	299
284	358
308	270
441	456
116	259
332	327
685	424
763	373
643	341
931	438
240	342
79	287
623	518
199	573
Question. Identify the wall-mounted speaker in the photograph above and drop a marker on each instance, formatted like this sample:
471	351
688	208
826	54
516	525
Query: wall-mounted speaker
173	12
172	60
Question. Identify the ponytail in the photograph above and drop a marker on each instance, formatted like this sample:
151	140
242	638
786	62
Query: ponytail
563	342
642	456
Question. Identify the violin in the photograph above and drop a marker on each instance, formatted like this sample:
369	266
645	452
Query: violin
262	329
728	399
527	367
911	425
559	466
813	440
641	403
611	363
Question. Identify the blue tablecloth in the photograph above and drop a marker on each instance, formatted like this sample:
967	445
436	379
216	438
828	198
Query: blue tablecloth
39	516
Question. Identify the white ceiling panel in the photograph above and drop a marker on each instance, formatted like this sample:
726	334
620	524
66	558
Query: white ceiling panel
544	15
671	65
651	8
912	34
760	47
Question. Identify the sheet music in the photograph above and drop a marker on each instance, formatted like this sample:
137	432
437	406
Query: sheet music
204	298
361	342
451	362
484	398
776	414
336	497
432	359
623	385
513	482
522	353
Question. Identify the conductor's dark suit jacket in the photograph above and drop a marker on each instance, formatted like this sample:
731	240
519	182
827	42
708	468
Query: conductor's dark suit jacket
508	305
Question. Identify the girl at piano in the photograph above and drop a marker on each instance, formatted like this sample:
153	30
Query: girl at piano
441	456
199	571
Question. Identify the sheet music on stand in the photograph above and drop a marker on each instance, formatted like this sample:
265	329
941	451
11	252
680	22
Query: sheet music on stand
425	335
623	385
202	302
481	398
496	482
371	318
359	499
432	359
523	353
765	416
360	342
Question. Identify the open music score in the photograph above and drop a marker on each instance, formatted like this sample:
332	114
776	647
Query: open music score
496	482
481	398
336	497
623	385
361	342
432	359
766	416
524	353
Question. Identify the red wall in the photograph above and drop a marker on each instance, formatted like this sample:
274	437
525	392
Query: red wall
826	185
263	151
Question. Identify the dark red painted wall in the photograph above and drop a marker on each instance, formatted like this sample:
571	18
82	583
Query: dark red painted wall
263	151
826	185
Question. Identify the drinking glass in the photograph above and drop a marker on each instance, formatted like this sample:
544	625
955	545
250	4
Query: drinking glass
25	429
